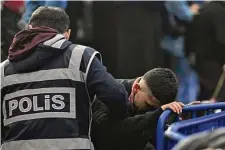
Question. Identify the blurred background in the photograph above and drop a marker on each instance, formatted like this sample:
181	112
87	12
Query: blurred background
134	37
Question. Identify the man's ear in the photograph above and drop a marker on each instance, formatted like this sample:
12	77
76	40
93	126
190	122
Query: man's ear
67	34
135	88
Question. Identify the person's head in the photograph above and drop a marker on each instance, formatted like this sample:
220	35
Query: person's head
53	17
157	87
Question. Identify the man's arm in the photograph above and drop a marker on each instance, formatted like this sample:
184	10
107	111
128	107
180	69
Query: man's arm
107	89
127	83
116	133
138	127
139	123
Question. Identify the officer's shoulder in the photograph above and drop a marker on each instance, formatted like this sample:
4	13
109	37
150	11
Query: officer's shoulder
84	47
87	51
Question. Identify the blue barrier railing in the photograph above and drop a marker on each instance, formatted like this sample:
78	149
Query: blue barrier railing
161	126
180	130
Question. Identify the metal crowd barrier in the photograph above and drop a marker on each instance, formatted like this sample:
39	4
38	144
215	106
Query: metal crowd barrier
209	115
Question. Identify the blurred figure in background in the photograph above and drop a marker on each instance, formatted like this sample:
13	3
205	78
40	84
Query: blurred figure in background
75	11
206	38
9	27
32	5
105	32
128	36
81	24
139	36
178	15
19	12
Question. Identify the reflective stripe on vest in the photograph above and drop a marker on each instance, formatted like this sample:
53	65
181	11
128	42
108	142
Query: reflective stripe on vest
72	72
2	65
32	104
48	144
89	64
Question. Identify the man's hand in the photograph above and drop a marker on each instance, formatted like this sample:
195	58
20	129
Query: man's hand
174	106
194	103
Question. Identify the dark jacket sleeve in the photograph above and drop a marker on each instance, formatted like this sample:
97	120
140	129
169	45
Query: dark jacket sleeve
138	130
107	89
135	124
140	123
127	83
126	131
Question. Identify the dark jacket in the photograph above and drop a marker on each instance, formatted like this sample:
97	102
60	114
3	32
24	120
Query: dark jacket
130	133
128	26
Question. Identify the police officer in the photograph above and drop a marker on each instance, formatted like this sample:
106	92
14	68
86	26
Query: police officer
47	86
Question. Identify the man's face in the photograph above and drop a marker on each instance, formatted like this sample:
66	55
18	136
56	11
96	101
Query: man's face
142	96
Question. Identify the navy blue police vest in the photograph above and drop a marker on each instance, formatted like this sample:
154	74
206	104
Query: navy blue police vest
49	108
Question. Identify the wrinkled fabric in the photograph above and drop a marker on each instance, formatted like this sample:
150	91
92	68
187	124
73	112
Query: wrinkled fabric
25	41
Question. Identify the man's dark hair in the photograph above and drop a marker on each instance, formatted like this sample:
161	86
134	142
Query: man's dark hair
53	17
163	84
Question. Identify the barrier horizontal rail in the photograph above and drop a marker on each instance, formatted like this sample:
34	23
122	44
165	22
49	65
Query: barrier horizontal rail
160	142
173	130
